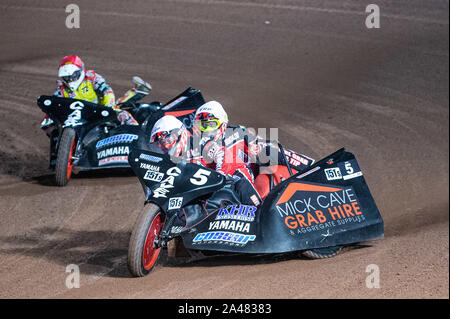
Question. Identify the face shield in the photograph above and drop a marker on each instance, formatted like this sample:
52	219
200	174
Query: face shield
167	140
71	75
71	78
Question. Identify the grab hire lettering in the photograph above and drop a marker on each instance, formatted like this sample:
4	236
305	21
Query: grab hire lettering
167	184
119	150
320	209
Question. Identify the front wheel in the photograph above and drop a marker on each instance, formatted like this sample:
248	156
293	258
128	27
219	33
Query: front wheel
142	253
326	252
64	159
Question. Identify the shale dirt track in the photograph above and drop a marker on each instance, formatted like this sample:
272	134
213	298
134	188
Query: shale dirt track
310	68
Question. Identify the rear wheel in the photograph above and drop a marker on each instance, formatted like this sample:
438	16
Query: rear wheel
64	159
142	253
325	252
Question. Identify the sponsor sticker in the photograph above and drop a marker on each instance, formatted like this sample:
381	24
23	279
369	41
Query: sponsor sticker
150	167
167	184
153	176
175	203
308	172
223	237
237	212
74	118
232	225
77	105
350	176
121	138
230	139
306	207
333	173
113	160
118	150
172	104
150	158
255	200
297	159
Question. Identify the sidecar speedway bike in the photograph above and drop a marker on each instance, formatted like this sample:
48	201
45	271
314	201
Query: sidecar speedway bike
88	136
317	211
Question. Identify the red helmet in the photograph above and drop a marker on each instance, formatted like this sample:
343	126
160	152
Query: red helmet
71	71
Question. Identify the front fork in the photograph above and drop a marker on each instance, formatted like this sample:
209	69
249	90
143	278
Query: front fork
166	232
54	133
55	138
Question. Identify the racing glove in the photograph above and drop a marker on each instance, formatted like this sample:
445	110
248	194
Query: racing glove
125	118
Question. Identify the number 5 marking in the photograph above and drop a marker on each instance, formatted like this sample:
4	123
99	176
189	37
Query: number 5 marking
349	168
200	177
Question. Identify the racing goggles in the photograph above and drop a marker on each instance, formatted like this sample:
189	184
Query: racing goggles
209	125
166	139
73	77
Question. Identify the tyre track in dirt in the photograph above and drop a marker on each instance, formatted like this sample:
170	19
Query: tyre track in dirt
310	68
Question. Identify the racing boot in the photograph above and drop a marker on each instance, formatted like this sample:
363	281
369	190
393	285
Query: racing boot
222	198
191	215
247	193
194	214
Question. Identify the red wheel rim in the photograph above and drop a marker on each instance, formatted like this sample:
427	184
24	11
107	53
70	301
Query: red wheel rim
70	161
150	253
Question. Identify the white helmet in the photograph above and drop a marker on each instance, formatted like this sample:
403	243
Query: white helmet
211	119
71	71
169	131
